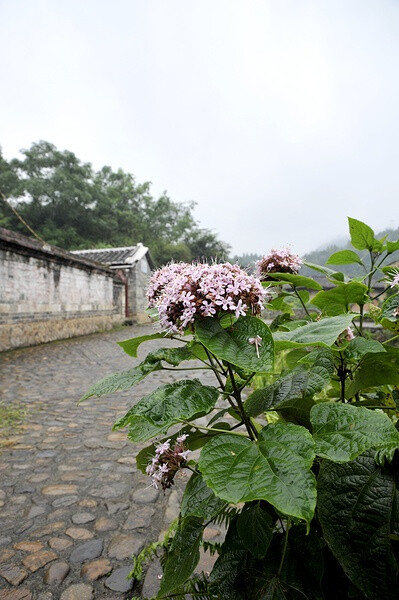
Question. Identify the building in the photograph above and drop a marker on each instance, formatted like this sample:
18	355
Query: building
133	264
47	293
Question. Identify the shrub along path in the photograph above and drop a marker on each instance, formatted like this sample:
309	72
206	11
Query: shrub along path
73	507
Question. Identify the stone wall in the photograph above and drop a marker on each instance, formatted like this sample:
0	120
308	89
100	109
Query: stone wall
137	278
47	293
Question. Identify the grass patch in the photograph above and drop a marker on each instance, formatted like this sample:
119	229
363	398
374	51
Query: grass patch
11	419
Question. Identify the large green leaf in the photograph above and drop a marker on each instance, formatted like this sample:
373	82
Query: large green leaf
318	333
121	381
355	502
374	370
199	500
341	432
183	555
344	257
329	273
362	236
255	528
296	280
232	343
360	346
130	346
276	468
339	299
167	405
126	379
292	394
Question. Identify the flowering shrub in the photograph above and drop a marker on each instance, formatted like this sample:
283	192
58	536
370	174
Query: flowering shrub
278	261
304	470
183	292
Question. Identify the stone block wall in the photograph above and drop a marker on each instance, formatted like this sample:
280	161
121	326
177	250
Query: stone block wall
47	293
138	277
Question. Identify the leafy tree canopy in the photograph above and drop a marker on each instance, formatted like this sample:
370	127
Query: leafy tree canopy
72	206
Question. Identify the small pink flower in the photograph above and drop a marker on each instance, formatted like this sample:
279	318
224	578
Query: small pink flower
257	341
395	280
349	335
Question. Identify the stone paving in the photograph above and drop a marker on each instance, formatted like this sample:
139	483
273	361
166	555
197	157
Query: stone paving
73	507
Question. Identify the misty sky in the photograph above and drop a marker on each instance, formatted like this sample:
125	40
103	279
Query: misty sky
278	117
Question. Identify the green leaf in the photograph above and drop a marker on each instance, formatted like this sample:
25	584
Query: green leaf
389	317
121	381
292	394
318	333
276	468
392	246
338	300
183	555
173	356
127	379
168	405
255	528
296	280
199	500
232	344
131	346
341	432
344	257
329	273
374	370
355	503
226	569
362	236
360	346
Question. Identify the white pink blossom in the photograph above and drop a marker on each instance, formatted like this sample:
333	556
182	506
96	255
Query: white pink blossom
184	292
278	261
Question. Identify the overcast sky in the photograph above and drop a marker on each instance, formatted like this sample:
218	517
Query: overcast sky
278	117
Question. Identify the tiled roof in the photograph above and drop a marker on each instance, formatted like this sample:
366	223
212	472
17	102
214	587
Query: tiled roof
127	255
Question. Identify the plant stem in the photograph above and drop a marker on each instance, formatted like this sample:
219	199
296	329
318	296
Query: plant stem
215	370
253	434
200	427
301	301
285	547
187	369
342	377
391	339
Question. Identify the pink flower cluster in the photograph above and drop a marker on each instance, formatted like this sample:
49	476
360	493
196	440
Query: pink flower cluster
182	292
166	462
278	261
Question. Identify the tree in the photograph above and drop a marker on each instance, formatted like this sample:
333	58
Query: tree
70	205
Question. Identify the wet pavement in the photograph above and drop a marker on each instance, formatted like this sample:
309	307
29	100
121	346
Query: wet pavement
73	507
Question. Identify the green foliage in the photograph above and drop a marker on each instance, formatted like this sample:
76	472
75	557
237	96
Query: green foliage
167	405
319	333
344	257
184	554
232	343
339	299
310	500
357	503
276	469
199	500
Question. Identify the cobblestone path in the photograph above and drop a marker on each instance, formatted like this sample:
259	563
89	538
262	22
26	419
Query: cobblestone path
73	507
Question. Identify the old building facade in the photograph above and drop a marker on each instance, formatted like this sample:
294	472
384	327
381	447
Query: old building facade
47	293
